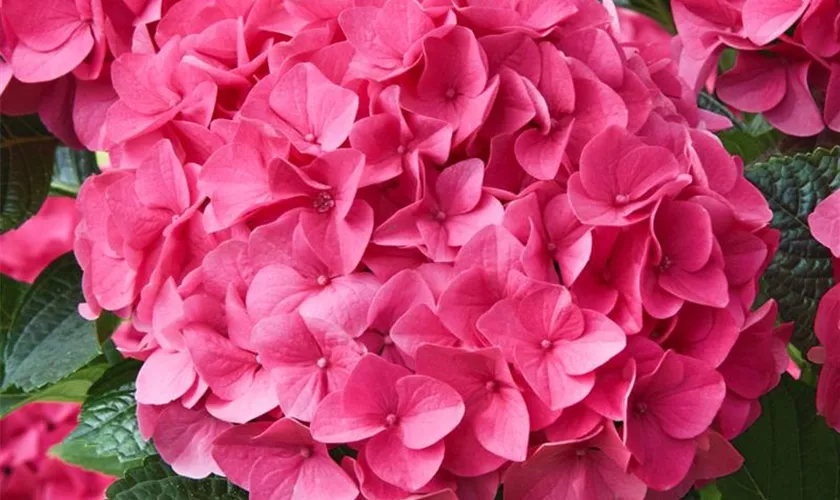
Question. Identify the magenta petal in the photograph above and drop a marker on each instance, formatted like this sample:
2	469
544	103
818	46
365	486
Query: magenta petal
755	84
184	439
401	466
227	369
824	223
797	114
165	377
764	21
428	410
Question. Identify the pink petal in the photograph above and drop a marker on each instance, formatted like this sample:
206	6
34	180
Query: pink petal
765	21
165	377
227	369
755	84
797	114
824	223
184	439
401	466
317	114
428	410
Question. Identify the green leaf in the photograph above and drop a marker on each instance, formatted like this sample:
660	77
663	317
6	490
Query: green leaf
72	389
27	151
107	438
156	481
48	340
11	293
72	167
801	270
789	453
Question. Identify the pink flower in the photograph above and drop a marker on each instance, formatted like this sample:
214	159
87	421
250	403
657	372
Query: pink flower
666	411
28	472
556	345
572	106
454	208
454	85
823	222
496	420
766	21
826	328
280	460
308	359
184	438
56	37
404	417
155	89
819	28
590	467
683	268
551	233
620	179
382	49
777	87
293	276
395	141
532	15
237	177
406	291
315	114
40	240
335	222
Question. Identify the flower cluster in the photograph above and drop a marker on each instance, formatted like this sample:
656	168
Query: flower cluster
788	61
26	472
459	243
823	223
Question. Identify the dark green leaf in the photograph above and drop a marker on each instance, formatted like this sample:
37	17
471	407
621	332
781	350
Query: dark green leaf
73	388
801	270
48	340
106	324
11	293
789	453
107	438
156	481
72	167
27	151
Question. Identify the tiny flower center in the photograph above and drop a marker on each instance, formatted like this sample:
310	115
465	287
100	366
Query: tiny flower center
551	247
450	94
322	363
387	340
641	408
322	280
440	216
323	202
401	149
621	199
390	420
491	386
546	344
306	452
258	359
309	137
580	452
665	263
606	276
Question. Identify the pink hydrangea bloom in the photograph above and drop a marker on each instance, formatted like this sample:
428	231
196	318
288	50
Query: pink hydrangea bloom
461	239
28	472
